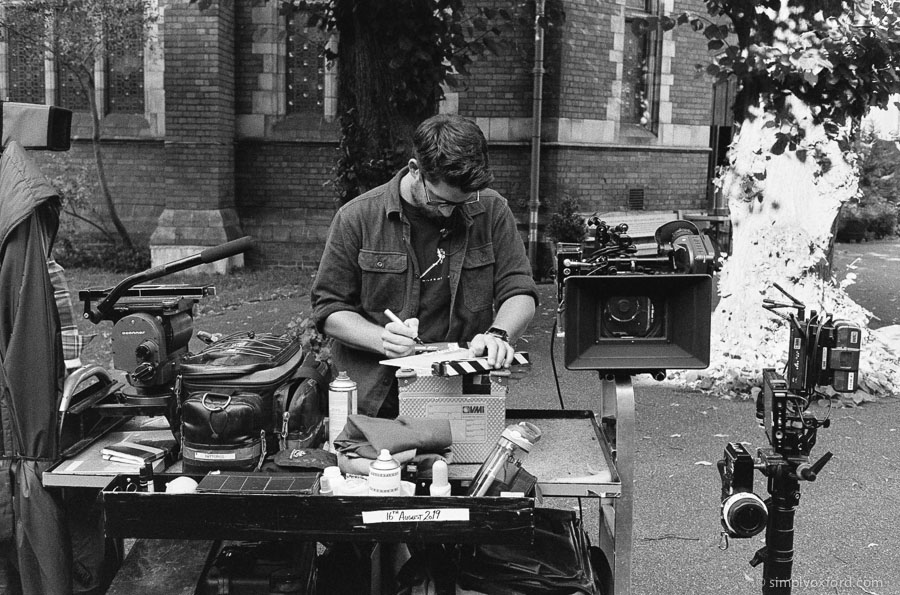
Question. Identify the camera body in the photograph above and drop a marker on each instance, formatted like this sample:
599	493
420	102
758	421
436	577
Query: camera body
632	314
822	352
743	513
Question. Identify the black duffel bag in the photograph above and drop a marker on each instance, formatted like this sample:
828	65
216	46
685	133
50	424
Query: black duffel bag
230	419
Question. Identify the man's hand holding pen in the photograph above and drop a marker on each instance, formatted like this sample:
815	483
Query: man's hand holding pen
400	337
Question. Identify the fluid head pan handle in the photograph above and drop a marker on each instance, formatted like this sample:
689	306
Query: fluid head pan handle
105	306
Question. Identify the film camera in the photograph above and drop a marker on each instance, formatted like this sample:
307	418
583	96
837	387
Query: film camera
822	352
632	313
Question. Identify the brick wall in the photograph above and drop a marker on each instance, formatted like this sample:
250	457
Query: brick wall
284	200
578	60
276	178
248	64
501	86
134	172
600	178
692	95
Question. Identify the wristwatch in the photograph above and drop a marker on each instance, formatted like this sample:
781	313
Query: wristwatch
498	332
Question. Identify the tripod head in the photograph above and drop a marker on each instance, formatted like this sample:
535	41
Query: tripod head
153	324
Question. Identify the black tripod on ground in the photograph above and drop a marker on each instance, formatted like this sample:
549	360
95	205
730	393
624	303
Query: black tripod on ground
777	556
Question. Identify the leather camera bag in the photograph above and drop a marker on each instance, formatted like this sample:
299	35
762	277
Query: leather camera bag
244	363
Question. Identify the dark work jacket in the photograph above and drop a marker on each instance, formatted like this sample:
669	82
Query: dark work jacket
31	376
368	265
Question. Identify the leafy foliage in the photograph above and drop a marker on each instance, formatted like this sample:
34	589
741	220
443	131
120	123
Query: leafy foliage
109	255
311	339
874	213
832	55
805	73
77	189
566	223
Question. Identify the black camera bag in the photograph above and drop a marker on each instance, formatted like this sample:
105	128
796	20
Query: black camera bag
248	367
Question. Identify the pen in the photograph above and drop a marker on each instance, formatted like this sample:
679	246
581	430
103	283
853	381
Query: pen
396	318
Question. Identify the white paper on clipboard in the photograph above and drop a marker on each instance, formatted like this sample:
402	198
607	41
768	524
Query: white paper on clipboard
421	362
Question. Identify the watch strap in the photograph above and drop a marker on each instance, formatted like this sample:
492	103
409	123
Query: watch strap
498	332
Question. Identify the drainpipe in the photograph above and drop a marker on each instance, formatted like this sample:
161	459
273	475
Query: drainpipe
537	102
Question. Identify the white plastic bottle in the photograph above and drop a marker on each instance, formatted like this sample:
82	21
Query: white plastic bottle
335	480
440	484
384	475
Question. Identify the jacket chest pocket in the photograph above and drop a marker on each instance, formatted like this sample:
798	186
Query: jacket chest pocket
477	283
383	280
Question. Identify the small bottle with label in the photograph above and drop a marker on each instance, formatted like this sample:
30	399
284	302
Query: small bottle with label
384	475
440	484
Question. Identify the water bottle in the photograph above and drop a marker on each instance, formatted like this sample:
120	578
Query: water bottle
515	442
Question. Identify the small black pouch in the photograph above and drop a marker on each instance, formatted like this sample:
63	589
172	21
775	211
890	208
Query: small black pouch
301	405
223	431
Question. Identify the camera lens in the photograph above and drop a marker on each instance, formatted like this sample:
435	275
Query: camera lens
744	514
624	309
632	316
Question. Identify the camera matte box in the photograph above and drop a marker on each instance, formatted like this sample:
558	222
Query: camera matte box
474	405
684	303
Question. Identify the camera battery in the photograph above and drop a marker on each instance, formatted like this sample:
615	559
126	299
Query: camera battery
839	359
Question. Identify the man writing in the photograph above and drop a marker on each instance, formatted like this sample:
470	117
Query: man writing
437	247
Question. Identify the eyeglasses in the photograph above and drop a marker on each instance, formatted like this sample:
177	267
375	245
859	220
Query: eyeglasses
446	206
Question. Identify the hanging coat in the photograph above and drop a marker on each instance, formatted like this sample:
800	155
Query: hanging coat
31	377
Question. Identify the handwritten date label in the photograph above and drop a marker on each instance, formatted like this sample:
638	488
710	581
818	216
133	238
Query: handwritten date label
415	515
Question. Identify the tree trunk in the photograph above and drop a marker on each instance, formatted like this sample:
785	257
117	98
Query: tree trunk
101	171
782	212
377	124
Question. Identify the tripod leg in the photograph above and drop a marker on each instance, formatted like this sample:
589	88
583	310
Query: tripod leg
779	559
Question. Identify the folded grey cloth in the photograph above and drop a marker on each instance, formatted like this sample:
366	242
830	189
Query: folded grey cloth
365	436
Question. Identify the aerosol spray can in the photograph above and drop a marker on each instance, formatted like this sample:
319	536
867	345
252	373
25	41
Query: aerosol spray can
341	403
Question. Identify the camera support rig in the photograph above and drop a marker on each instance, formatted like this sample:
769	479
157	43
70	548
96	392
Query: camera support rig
624	314
822	352
152	326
